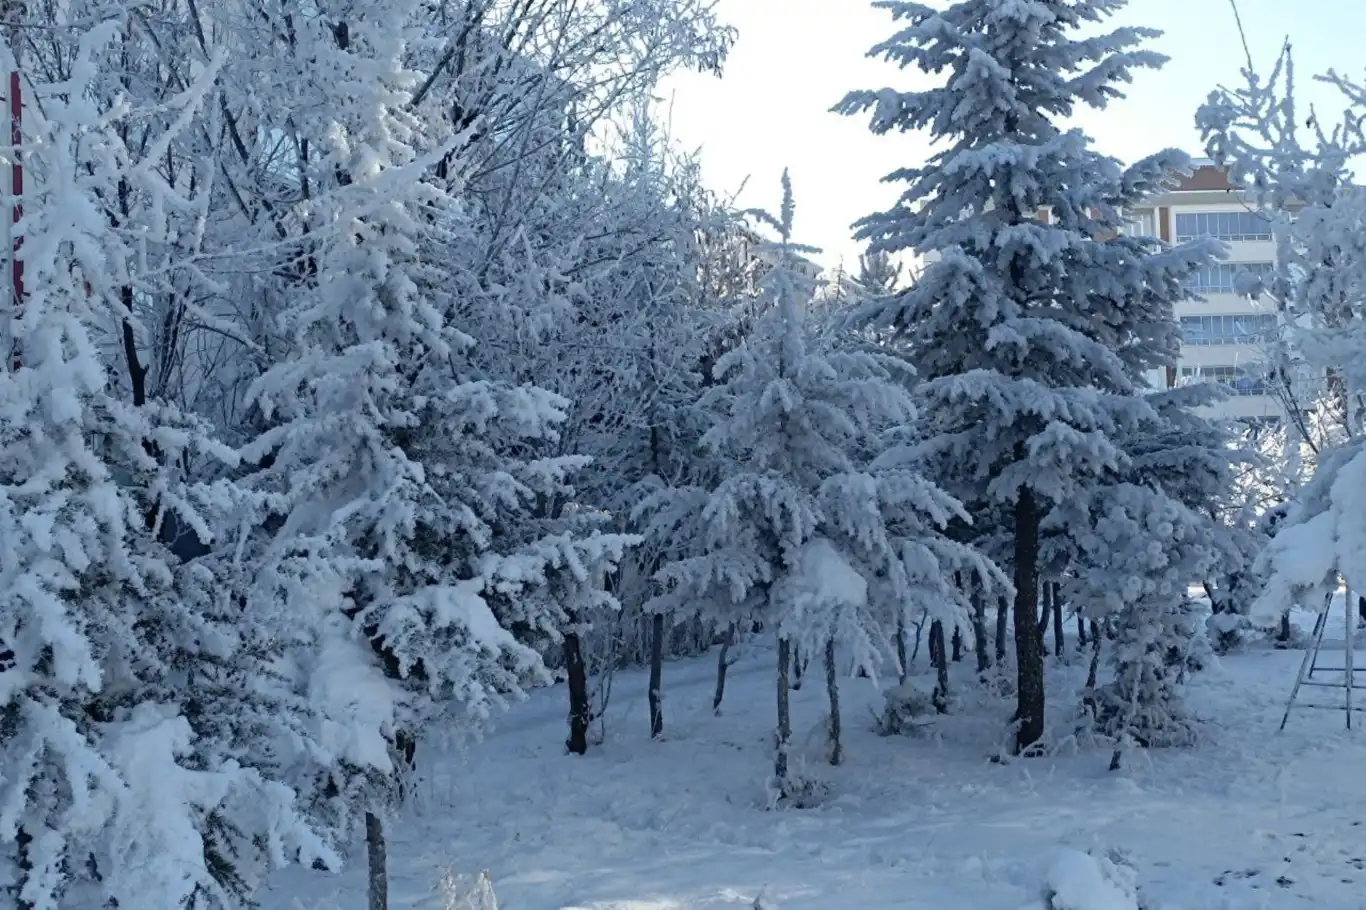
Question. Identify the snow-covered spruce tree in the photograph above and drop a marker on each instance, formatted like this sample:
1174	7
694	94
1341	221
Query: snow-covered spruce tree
137	716
1033	321
1321	269
1137	538
402	491
802	531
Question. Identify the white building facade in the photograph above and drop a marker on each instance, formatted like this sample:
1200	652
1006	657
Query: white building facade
1226	336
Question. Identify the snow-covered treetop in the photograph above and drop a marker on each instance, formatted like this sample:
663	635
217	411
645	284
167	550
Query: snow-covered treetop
1036	320
1011	71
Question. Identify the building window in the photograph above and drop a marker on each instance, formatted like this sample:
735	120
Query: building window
1139	224
1249	380
1223	225
1223	278
1240	329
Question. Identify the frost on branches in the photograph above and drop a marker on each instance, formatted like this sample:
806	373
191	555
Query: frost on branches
805	532
1033	322
1137	539
128	683
403	501
1302	178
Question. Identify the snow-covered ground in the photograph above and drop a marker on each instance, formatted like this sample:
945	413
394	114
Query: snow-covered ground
1249	819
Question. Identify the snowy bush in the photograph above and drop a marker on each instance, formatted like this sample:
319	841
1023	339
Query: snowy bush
1093	881
458	893
906	709
797	789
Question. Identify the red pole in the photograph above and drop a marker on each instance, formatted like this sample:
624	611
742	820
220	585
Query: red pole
16	135
14	10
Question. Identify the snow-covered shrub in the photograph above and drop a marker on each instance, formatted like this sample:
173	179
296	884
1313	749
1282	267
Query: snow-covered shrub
457	892
1152	656
798	789
906	709
1093	881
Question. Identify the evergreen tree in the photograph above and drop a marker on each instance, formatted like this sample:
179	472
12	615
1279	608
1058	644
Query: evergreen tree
1137	538
403	502
1034	321
804	531
139	705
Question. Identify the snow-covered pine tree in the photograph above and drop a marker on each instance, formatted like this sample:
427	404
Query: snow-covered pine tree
878	275
1034	320
802	530
1137	539
139	719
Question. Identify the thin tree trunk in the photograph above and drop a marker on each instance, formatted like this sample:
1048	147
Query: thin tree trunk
1058	643
406	746
979	628
1001	616
580	711
1285	627
784	715
377	855
1045	613
957	643
22	839
1029	689
797	668
832	687
1094	671
721	667
939	655
1081	632
904	666
657	676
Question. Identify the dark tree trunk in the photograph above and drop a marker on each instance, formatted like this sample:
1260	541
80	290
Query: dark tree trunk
979	628
377	855
657	676
1045	613
1081	632
1285	627
784	737
832	687
939	656
903	664
797	668
406	746
580	711
1028	640
1094	671
1058	643
721	667
1001	616
22	839
957	643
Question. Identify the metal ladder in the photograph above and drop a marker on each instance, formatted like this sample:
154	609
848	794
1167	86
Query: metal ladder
1310	665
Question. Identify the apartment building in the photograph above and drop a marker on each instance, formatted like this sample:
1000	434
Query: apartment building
1225	335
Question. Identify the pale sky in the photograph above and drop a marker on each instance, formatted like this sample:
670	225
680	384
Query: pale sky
796	58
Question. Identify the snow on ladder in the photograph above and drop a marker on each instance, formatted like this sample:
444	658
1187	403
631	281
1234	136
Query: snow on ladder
1310	665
